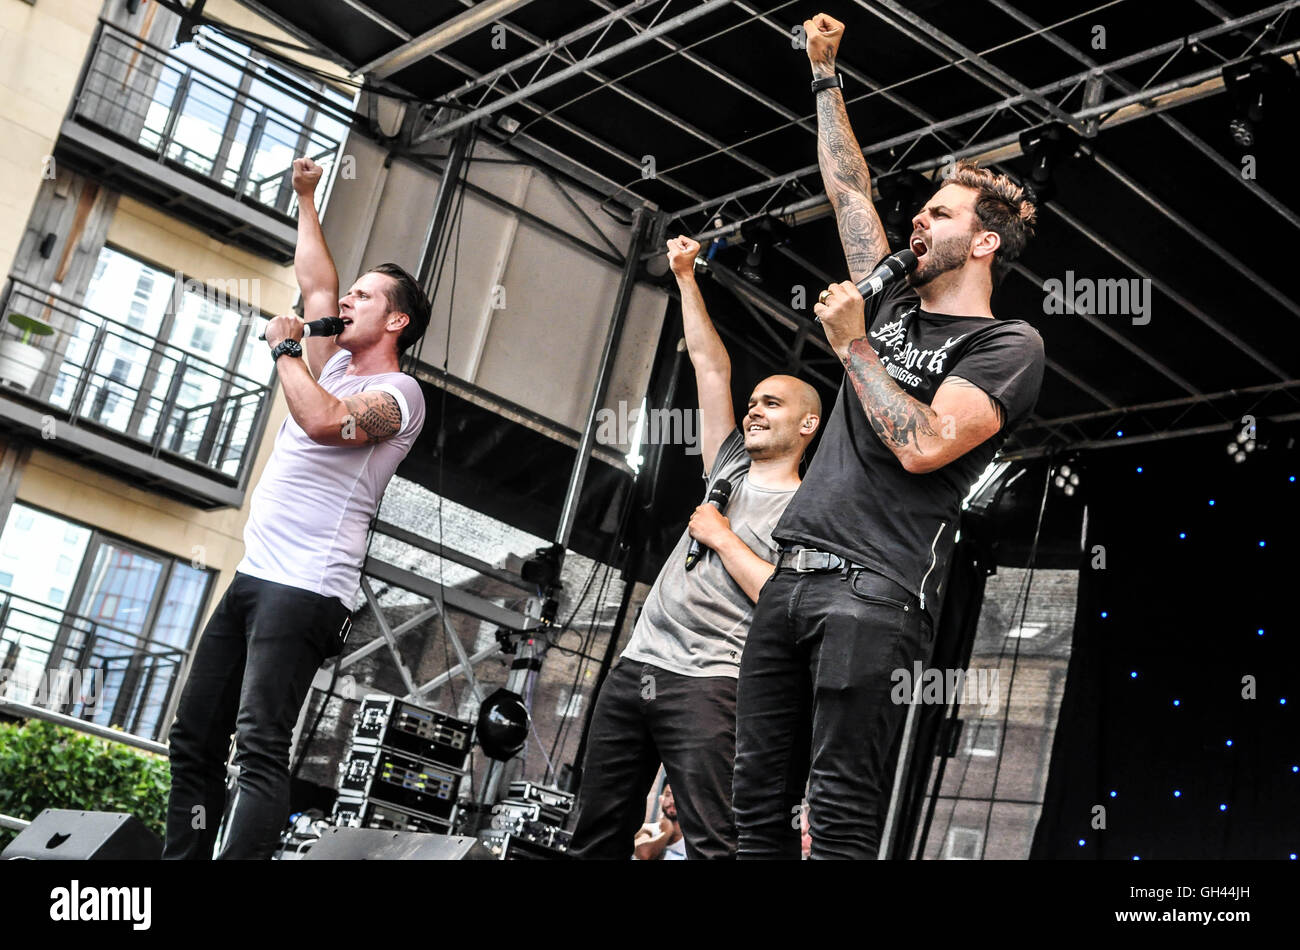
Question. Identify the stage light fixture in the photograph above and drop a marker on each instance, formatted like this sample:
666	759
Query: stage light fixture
757	236
902	195
503	723
1046	147
1250	438
1066	477
1258	88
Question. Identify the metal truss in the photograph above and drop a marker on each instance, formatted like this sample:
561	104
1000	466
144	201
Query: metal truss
1122	426
1111	112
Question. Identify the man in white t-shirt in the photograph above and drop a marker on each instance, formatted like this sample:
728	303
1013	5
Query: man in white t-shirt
353	416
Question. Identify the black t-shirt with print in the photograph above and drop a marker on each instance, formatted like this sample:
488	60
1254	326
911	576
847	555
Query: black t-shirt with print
857	500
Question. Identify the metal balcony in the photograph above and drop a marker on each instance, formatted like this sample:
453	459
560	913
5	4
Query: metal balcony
204	149
81	667
94	387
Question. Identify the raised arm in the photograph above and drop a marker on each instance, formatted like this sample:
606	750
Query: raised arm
707	352
312	265
844	170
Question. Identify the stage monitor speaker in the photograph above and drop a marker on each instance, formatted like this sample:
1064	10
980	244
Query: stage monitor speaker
373	844
59	834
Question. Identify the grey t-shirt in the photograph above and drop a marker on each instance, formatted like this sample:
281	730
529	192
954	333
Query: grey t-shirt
694	623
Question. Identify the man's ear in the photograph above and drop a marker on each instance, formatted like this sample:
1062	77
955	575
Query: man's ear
809	424
985	244
397	314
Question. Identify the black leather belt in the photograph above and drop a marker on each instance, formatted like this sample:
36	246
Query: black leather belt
806	560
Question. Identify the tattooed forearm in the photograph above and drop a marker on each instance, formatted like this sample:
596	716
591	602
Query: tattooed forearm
900	421
848	185
372	416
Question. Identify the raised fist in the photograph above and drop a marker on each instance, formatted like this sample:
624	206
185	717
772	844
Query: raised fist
306	175
824	34
681	255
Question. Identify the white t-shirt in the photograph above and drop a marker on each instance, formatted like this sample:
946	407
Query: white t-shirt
675	851
312	506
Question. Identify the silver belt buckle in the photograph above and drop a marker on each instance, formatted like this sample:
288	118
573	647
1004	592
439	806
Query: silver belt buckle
800	564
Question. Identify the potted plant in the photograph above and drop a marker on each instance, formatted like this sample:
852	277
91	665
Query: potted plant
21	360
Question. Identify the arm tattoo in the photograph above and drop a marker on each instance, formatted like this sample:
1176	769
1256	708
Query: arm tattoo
374	413
997	406
899	420
848	185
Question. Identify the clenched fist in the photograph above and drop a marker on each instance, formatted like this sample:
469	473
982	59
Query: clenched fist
709	526
285	327
306	176
842	313
824	34
681	255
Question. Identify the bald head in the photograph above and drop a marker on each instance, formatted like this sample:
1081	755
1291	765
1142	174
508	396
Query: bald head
809	402
784	413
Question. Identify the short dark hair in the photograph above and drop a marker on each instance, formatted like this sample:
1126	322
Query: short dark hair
405	296
1000	207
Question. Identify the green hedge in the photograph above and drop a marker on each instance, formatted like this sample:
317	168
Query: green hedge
47	766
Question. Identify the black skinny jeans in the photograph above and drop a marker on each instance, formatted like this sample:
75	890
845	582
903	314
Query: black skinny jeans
250	675
646	715
814	692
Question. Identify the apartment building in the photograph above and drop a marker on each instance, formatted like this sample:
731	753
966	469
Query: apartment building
147	233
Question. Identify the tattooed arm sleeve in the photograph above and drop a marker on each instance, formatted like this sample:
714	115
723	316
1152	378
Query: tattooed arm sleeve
923	438
848	185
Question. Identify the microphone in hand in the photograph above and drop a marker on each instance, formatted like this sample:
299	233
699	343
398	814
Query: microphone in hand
719	495
325	326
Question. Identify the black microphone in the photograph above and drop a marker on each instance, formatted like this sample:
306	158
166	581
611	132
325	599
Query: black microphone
894	267
325	326
718	498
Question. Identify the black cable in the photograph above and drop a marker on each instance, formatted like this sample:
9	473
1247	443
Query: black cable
614	553
1015	659
456	224
255	41
566	721
1021	599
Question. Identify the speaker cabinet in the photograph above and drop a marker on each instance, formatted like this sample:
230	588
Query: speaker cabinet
371	844
59	834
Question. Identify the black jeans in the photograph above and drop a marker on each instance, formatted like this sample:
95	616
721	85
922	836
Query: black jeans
250	675
815	683
646	715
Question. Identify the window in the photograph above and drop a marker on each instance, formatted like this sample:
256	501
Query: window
86	599
963	844
982	736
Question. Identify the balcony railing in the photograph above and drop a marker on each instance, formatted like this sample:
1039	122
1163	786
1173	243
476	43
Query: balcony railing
82	667
214	129
92	369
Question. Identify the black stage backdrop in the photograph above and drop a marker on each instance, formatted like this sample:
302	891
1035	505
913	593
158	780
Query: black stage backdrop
1179	716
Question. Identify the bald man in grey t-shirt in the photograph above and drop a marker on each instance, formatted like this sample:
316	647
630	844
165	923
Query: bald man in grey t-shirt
671	697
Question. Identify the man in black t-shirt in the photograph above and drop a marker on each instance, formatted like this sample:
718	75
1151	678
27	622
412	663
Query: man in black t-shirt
933	384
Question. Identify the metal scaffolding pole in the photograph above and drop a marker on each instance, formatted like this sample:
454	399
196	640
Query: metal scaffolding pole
613	86
1144	193
1137	98
582	66
1168	291
440	220
528	655
1115	335
441	36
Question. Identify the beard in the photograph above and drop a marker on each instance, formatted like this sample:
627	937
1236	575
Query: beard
949	254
